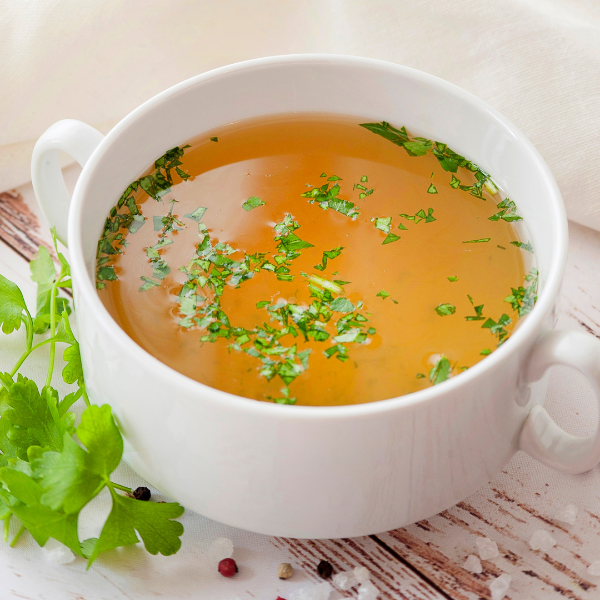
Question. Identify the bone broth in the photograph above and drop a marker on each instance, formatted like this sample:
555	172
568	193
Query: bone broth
316	260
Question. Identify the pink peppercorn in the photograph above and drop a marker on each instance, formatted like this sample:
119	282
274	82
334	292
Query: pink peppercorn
227	567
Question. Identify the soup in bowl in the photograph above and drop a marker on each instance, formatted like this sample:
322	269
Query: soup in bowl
239	269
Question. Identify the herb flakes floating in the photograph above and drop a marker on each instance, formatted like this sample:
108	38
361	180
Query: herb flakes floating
441	371
523	299
445	309
214	139
252	202
420	216
328	254
507	213
449	160
497	328
326	197
485	352
432	189
382	294
524	246
479	241
452	278
391	237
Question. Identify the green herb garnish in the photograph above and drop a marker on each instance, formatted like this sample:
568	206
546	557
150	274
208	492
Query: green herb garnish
420	216
252	202
508	212
485	352
452	278
432	189
445	309
479	241
497	328
214	139
328	254
528	247
441	371
382	294
391	237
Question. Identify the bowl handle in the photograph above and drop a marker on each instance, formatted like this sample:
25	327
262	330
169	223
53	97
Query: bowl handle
541	437
75	138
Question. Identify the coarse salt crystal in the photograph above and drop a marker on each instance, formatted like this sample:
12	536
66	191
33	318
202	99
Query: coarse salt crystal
345	580
58	553
367	591
568	514
221	548
594	568
321	591
542	540
473	564
362	574
487	548
500	586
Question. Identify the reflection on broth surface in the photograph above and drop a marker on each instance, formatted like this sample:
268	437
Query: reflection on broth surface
306	259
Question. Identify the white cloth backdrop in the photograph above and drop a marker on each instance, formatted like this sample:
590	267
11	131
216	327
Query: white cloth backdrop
537	61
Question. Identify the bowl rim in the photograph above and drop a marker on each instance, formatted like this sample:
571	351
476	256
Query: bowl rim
86	288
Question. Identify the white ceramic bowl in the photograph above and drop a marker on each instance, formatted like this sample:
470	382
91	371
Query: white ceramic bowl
319	471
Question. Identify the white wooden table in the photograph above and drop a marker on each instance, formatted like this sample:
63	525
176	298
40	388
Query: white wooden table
422	561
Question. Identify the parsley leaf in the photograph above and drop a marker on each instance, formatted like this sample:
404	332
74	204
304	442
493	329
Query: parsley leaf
328	254
13	309
252	202
383	294
441	371
452	278
523	246
391	237
479	241
432	189
445	309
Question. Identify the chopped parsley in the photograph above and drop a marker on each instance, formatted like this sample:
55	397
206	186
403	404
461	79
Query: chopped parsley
445	309
214	139
420	216
432	189
508	212
498	328
383	223
479	241
326	197
449	160
382	294
252	202
485	352
453	278
441	371
328	254
523	298
528	247
391	237
126	216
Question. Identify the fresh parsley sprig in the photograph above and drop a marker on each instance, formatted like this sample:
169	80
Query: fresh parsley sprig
49	468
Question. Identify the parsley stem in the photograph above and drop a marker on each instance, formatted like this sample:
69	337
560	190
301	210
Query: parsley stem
17	536
121	487
6	526
29	329
84	395
26	354
53	295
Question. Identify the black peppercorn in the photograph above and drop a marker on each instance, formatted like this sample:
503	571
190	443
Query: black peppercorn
142	493
324	569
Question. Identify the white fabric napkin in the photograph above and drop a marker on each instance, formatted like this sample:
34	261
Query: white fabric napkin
537	61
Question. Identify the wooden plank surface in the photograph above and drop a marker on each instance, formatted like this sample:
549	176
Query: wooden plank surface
422	561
